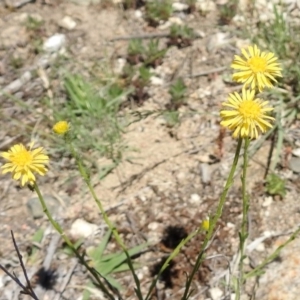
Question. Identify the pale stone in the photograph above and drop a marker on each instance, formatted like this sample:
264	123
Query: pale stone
55	43
82	229
68	23
215	293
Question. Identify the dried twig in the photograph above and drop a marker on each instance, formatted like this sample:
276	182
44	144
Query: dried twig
26	290
204	73
147	36
66	280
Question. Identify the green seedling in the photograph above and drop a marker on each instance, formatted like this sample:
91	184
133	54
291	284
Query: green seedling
140	83
36	239
172	118
33	24
153	54
177	92
181	36
107	264
95	120
16	62
158	10
275	185
135	51
133	4
227	12
192	6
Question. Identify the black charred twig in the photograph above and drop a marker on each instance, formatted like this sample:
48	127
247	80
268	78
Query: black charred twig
26	290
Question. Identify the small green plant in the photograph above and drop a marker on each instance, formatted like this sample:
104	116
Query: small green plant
135	51
181	36
133	4
16	62
33	24
275	185
153	54
177	92
140	83
158	10
36	239
94	118
107	264
192	5
172	118
227	12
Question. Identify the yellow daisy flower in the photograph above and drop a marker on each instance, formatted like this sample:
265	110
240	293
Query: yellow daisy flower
23	163
61	127
246	115
257	70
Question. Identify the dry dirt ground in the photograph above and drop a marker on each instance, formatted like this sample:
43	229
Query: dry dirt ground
175	178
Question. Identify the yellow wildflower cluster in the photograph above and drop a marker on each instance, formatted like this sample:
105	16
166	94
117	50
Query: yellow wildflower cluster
245	114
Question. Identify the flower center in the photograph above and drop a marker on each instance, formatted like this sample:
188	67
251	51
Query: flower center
257	64
22	158
249	109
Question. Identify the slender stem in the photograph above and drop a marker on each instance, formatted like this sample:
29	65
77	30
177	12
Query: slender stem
58	228
244	228
110	225
279	138
271	257
214	220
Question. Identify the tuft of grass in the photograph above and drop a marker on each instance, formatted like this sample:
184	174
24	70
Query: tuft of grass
172	118
181	36
157	11
133	4
177	91
135	51
107	264
153	54
33	24
282	38
275	185
140	83
227	12
94	117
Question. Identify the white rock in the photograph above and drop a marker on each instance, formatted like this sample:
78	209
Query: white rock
217	41
156	80
205	6
82	229
68	23
55	42
195	199
176	20
205	171
177	6
268	201
16	85
118	67
296	152
260	247
230	225
138	14
215	293
153	226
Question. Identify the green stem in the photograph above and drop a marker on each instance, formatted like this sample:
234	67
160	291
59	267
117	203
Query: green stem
271	257
58	228
214	221
110	225
244	228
